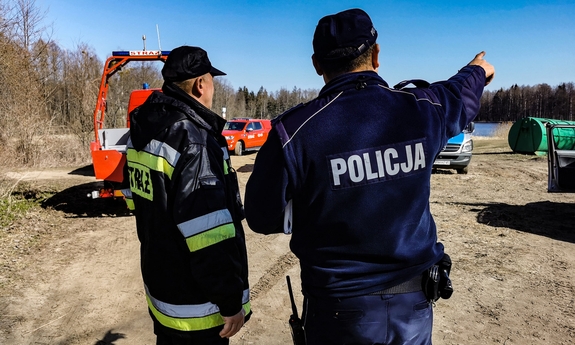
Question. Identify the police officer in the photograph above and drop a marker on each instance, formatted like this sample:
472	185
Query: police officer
349	173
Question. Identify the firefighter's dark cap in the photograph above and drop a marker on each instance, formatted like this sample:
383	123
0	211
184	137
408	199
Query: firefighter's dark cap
348	29
187	62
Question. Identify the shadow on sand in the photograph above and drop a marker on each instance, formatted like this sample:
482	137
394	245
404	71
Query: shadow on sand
75	202
550	219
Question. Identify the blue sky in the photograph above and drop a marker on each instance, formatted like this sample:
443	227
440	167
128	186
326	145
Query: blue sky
268	43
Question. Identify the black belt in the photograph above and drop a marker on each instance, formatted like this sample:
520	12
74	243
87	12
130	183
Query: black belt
412	285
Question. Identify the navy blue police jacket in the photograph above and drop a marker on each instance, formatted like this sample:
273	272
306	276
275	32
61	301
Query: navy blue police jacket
356	164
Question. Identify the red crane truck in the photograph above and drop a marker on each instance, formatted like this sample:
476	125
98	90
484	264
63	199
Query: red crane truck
109	146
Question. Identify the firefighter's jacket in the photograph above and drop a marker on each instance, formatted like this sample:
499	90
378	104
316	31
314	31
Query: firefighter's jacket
188	212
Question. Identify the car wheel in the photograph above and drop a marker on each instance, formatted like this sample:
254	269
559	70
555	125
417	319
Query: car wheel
463	170
239	150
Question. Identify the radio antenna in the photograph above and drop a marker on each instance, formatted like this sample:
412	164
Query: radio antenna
158	31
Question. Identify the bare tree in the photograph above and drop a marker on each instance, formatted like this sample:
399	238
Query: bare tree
225	97
79	90
132	77
28	27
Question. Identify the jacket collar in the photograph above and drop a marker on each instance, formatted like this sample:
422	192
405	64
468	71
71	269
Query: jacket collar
352	80
211	119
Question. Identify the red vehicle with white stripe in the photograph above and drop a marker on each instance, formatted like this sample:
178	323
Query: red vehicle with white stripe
246	134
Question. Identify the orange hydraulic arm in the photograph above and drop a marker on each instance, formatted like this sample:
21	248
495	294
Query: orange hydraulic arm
114	64
108	158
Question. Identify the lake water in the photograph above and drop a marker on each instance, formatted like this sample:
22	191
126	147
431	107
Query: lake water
485	129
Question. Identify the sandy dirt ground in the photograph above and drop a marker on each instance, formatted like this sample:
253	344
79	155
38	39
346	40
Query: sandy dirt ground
69	271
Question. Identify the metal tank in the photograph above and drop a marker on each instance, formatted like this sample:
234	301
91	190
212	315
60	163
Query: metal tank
528	135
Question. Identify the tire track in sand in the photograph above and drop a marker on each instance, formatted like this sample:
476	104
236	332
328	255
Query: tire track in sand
273	275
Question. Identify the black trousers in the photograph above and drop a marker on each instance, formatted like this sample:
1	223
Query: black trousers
207	337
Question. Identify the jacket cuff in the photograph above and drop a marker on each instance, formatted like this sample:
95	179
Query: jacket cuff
230	307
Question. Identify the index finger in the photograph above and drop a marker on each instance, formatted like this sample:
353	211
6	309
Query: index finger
478	56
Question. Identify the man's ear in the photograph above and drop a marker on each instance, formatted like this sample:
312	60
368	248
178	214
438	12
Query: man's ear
316	65
198	87
375	57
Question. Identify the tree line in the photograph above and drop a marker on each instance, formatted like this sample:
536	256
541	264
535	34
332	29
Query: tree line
517	102
49	93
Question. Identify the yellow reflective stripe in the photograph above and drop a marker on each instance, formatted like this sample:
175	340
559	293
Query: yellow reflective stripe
210	237
130	204
127	193
226	159
247	307
186	324
206	222
192	324
150	161
226	168
193	317
161	149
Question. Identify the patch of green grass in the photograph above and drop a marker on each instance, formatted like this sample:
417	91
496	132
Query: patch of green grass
20	201
12	209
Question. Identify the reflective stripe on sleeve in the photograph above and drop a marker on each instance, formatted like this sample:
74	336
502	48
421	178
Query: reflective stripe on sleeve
130	204
156	155
209	229
226	160
158	148
127	193
190	317
226	168
210	237
209	221
149	161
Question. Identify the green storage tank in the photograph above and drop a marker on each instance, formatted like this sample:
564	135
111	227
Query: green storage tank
529	135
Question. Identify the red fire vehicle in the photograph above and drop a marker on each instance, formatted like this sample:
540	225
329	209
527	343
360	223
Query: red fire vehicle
246	134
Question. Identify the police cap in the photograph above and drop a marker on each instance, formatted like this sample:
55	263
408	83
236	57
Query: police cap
348	29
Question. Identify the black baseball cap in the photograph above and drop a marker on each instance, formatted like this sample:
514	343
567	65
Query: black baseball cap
187	62
348	29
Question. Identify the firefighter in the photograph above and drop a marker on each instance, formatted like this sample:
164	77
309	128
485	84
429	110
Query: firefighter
348	174
188	208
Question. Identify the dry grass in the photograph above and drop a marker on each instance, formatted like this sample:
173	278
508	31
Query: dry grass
502	131
46	151
50	151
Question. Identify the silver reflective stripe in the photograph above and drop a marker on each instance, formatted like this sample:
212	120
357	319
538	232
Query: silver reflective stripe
226	153
183	311
189	310
209	221
160	149
246	296
288	218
